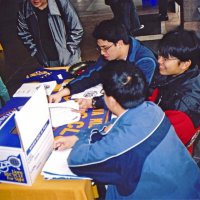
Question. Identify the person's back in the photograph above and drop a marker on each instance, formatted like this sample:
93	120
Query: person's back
51	31
156	164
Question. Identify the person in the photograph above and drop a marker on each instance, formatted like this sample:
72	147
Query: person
137	155
124	11
163	7
114	43
178	80
51	31
4	95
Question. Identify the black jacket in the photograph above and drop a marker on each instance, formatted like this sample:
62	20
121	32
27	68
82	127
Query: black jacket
180	92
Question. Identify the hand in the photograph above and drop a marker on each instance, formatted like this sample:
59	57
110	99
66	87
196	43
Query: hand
84	104
56	98
66	142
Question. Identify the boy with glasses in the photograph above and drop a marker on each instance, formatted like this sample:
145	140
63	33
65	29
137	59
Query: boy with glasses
178	80
114	43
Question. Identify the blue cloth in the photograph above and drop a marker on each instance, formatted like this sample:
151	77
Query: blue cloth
44	75
136	159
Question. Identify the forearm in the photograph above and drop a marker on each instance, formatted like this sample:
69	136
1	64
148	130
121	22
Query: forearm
75	29
25	35
86	80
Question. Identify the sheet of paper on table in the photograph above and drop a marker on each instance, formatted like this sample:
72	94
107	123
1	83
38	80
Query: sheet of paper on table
28	89
89	93
64	113
56	166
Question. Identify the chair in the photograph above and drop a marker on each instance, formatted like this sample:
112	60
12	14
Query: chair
184	127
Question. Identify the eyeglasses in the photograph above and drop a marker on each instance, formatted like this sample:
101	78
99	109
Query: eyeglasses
104	49
167	59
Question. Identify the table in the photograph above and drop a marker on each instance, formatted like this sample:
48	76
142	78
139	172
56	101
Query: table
45	189
48	190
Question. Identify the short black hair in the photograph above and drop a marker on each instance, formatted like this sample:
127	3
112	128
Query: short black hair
125	82
112	31
182	44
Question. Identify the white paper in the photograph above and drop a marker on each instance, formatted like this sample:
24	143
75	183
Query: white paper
89	93
56	166
28	89
63	113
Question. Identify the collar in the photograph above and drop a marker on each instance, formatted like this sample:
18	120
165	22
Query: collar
165	81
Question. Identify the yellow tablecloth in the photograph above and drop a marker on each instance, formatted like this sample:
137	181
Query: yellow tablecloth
48	190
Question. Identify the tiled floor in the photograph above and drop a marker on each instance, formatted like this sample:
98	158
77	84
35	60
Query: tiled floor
15	61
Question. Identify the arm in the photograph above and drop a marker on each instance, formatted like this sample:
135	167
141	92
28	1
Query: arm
27	38
88	79
75	29
148	66
24	34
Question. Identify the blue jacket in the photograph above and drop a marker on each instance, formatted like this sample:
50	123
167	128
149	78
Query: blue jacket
138	54
140	157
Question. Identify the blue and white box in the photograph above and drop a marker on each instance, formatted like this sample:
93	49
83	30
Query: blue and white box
26	140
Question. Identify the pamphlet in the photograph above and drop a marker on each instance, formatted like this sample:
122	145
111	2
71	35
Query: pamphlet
89	93
64	113
56	166
28	89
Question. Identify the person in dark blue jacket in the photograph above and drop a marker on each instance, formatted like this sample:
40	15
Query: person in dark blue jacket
124	11
114	43
138	154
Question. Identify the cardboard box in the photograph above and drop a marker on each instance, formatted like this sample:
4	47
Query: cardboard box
26	140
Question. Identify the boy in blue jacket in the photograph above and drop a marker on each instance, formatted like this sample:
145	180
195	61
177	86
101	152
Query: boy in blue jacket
114	43
137	155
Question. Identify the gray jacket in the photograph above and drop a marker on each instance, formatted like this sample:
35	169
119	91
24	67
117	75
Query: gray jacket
66	30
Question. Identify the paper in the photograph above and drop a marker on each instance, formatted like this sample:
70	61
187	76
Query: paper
64	113
56	166
89	93
28	89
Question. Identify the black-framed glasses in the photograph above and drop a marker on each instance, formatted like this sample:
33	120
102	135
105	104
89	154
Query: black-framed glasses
166	59
104	49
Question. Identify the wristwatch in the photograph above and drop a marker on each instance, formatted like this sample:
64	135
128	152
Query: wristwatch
94	102
98	102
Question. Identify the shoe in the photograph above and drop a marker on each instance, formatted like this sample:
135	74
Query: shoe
140	28
163	17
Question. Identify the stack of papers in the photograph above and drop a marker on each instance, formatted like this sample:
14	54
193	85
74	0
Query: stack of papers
64	113
28	89
89	93
56	166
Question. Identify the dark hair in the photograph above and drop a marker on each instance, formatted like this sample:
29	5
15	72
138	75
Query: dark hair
112	31
182	44
125	82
